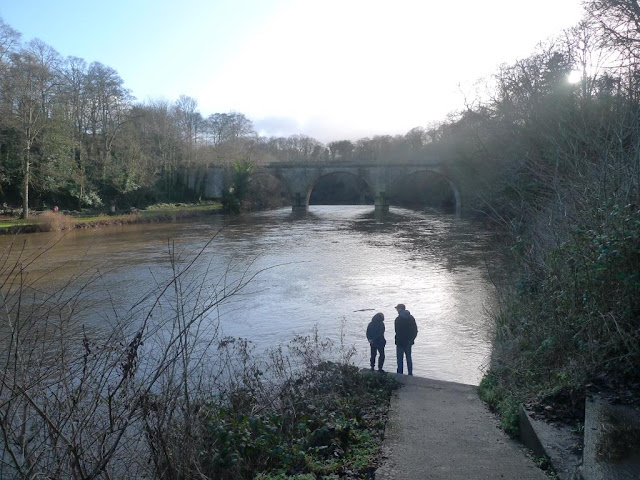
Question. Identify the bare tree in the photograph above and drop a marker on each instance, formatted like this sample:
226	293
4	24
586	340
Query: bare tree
28	95
189	119
9	41
619	21
74	97
76	402
588	56
229	127
108	109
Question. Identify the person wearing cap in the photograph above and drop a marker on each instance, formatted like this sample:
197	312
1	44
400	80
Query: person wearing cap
406	333
377	342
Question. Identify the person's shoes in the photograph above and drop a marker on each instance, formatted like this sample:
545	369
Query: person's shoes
381	370
411	374
372	369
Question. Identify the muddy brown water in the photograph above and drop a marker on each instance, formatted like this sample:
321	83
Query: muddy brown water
334	267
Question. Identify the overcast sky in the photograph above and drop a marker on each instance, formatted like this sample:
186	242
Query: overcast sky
331	69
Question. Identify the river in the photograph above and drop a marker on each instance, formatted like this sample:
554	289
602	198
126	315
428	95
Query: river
334	267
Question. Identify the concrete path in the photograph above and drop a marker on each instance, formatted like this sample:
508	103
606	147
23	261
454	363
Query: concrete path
443	430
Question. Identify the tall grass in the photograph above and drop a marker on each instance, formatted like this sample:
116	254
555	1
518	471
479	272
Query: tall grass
55	222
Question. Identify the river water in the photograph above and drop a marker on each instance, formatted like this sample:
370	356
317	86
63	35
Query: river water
333	267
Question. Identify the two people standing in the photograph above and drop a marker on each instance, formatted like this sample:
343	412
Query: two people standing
406	332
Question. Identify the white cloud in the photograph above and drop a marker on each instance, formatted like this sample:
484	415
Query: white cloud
376	66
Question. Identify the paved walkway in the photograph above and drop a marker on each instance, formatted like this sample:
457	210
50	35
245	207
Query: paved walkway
443	430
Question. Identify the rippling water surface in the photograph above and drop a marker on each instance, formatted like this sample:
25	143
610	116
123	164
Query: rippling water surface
333	267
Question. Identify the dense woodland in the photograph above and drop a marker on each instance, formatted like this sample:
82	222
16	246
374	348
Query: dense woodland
554	164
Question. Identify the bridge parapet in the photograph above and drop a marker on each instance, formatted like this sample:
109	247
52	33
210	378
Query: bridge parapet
300	178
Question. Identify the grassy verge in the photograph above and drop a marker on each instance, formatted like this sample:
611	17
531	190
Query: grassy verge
50	221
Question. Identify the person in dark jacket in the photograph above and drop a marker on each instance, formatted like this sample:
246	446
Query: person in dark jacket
406	333
375	335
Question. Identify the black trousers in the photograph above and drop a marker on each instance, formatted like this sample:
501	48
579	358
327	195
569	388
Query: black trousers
374	352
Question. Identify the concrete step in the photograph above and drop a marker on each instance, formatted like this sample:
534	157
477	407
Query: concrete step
442	430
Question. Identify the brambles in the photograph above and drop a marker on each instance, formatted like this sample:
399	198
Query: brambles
575	322
325	422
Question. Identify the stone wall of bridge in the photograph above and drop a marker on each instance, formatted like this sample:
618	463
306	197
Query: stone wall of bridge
300	179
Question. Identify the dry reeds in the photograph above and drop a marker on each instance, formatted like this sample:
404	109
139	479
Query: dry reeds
55	222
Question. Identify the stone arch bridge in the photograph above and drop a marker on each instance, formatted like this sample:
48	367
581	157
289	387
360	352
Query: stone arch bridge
300	179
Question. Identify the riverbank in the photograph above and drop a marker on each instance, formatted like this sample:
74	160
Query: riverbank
49	221
567	321
249	417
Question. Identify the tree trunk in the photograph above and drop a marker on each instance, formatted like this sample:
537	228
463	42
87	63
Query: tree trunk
25	185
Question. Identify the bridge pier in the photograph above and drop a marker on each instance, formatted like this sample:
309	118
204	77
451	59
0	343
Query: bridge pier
382	202
299	203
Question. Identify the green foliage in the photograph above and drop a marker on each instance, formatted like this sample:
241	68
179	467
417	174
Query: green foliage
503	401
284	476
230	202
242	171
573	321
556	166
234	195
89	198
319	419
331	423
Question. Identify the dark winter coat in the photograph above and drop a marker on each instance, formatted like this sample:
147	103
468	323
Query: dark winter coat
375	331
406	328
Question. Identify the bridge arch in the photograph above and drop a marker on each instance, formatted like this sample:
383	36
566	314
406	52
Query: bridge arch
300	178
414	175
358	187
